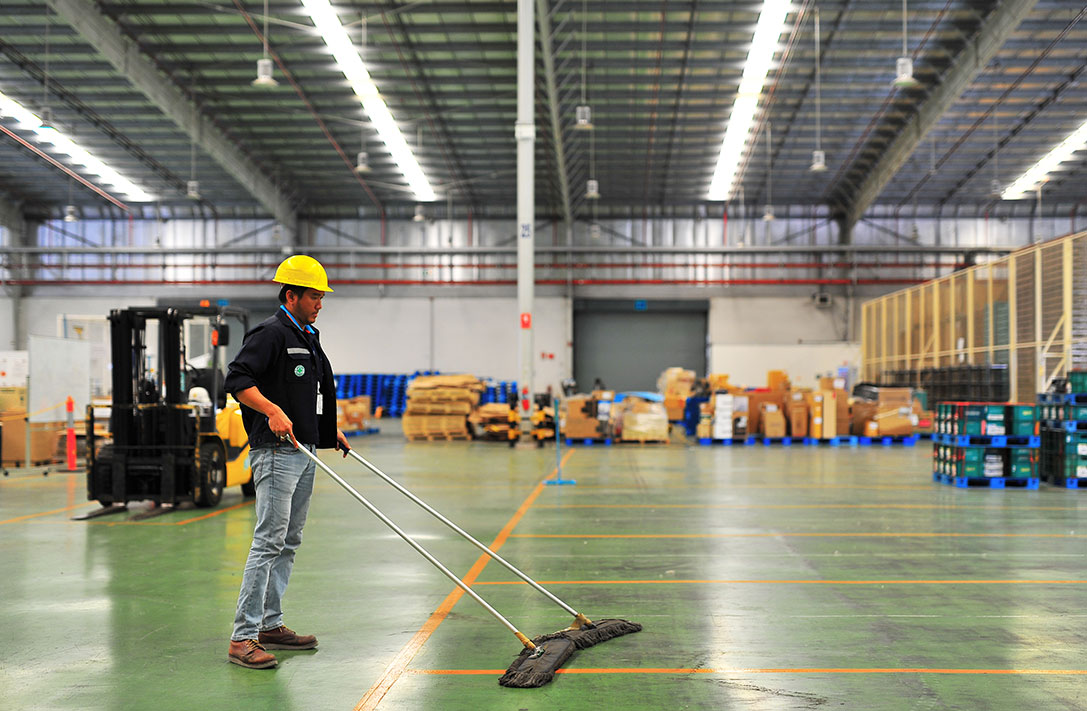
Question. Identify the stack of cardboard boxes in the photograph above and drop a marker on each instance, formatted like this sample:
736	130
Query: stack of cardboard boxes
675	384
492	420
891	415
637	419
587	416
438	406
353	414
44	438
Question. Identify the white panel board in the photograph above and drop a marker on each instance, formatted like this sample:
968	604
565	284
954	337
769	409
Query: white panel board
747	365
14	366
59	368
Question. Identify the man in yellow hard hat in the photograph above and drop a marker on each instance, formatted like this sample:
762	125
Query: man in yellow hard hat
284	382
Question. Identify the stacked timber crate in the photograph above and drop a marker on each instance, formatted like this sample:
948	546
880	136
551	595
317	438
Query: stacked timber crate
438	406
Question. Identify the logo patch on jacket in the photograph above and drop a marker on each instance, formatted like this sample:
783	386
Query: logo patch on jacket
299	370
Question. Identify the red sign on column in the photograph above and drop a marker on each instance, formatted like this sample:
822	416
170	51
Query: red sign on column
526	320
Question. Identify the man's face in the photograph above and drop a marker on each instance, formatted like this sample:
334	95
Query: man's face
305	307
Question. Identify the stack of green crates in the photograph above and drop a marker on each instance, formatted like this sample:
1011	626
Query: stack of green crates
1064	455
1064	443
988	462
985	419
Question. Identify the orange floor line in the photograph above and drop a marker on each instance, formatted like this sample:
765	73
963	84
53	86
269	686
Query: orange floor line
789	582
45	513
783	534
922	507
799	670
217	512
399	664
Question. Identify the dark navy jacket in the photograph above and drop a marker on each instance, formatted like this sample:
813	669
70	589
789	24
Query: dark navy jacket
284	364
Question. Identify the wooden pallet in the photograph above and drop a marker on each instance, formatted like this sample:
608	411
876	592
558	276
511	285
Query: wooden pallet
624	440
447	437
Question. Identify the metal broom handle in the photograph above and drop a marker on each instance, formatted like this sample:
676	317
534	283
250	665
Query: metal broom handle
422	551
429	509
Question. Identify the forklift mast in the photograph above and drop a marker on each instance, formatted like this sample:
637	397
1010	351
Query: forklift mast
159	439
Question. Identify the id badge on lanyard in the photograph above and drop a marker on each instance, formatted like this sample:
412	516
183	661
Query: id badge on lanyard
320	400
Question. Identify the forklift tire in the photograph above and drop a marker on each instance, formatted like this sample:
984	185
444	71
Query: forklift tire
211	476
249	489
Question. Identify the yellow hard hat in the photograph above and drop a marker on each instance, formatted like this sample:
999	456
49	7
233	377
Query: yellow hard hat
302	270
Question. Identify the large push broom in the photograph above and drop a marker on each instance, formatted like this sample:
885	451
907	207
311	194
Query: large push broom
541	656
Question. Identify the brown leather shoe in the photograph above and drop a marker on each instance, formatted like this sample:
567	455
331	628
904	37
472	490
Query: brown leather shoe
250	653
284	638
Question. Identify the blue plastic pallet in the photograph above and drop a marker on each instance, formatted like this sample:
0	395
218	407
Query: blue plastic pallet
589	442
844	440
783	441
1070	483
1066	425
997	441
359	433
991	482
1062	398
905	441
706	441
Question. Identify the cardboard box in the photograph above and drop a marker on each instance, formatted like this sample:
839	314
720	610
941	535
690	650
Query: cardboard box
798	419
773	423
815	408
830	414
895	397
896	425
777	380
754	402
43	440
705	431
12	399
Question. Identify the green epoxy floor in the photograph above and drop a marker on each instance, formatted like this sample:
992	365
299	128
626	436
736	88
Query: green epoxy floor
789	578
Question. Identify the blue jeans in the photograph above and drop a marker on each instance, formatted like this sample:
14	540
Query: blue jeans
283	478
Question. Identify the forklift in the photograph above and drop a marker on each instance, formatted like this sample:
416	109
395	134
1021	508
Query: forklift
176	436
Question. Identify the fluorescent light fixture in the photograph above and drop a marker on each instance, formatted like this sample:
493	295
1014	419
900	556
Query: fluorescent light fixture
77	155
350	63
1028	181
759	59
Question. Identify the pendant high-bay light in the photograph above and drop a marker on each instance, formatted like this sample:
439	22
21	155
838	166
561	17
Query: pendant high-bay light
759	58
768	212
904	64
192	188
350	62
264	64
77	155
1039	172
818	157
592	186
583	114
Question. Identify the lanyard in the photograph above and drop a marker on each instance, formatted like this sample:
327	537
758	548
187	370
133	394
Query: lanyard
307	334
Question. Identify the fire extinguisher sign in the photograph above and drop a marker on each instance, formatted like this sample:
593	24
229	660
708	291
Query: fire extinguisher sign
526	320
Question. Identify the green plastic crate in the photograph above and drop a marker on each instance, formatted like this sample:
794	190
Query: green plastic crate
1078	380
1072	412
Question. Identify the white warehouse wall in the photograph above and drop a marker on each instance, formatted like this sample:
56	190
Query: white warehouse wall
8	340
749	336
477	335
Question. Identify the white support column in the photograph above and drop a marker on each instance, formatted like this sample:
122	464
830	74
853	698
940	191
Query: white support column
525	132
